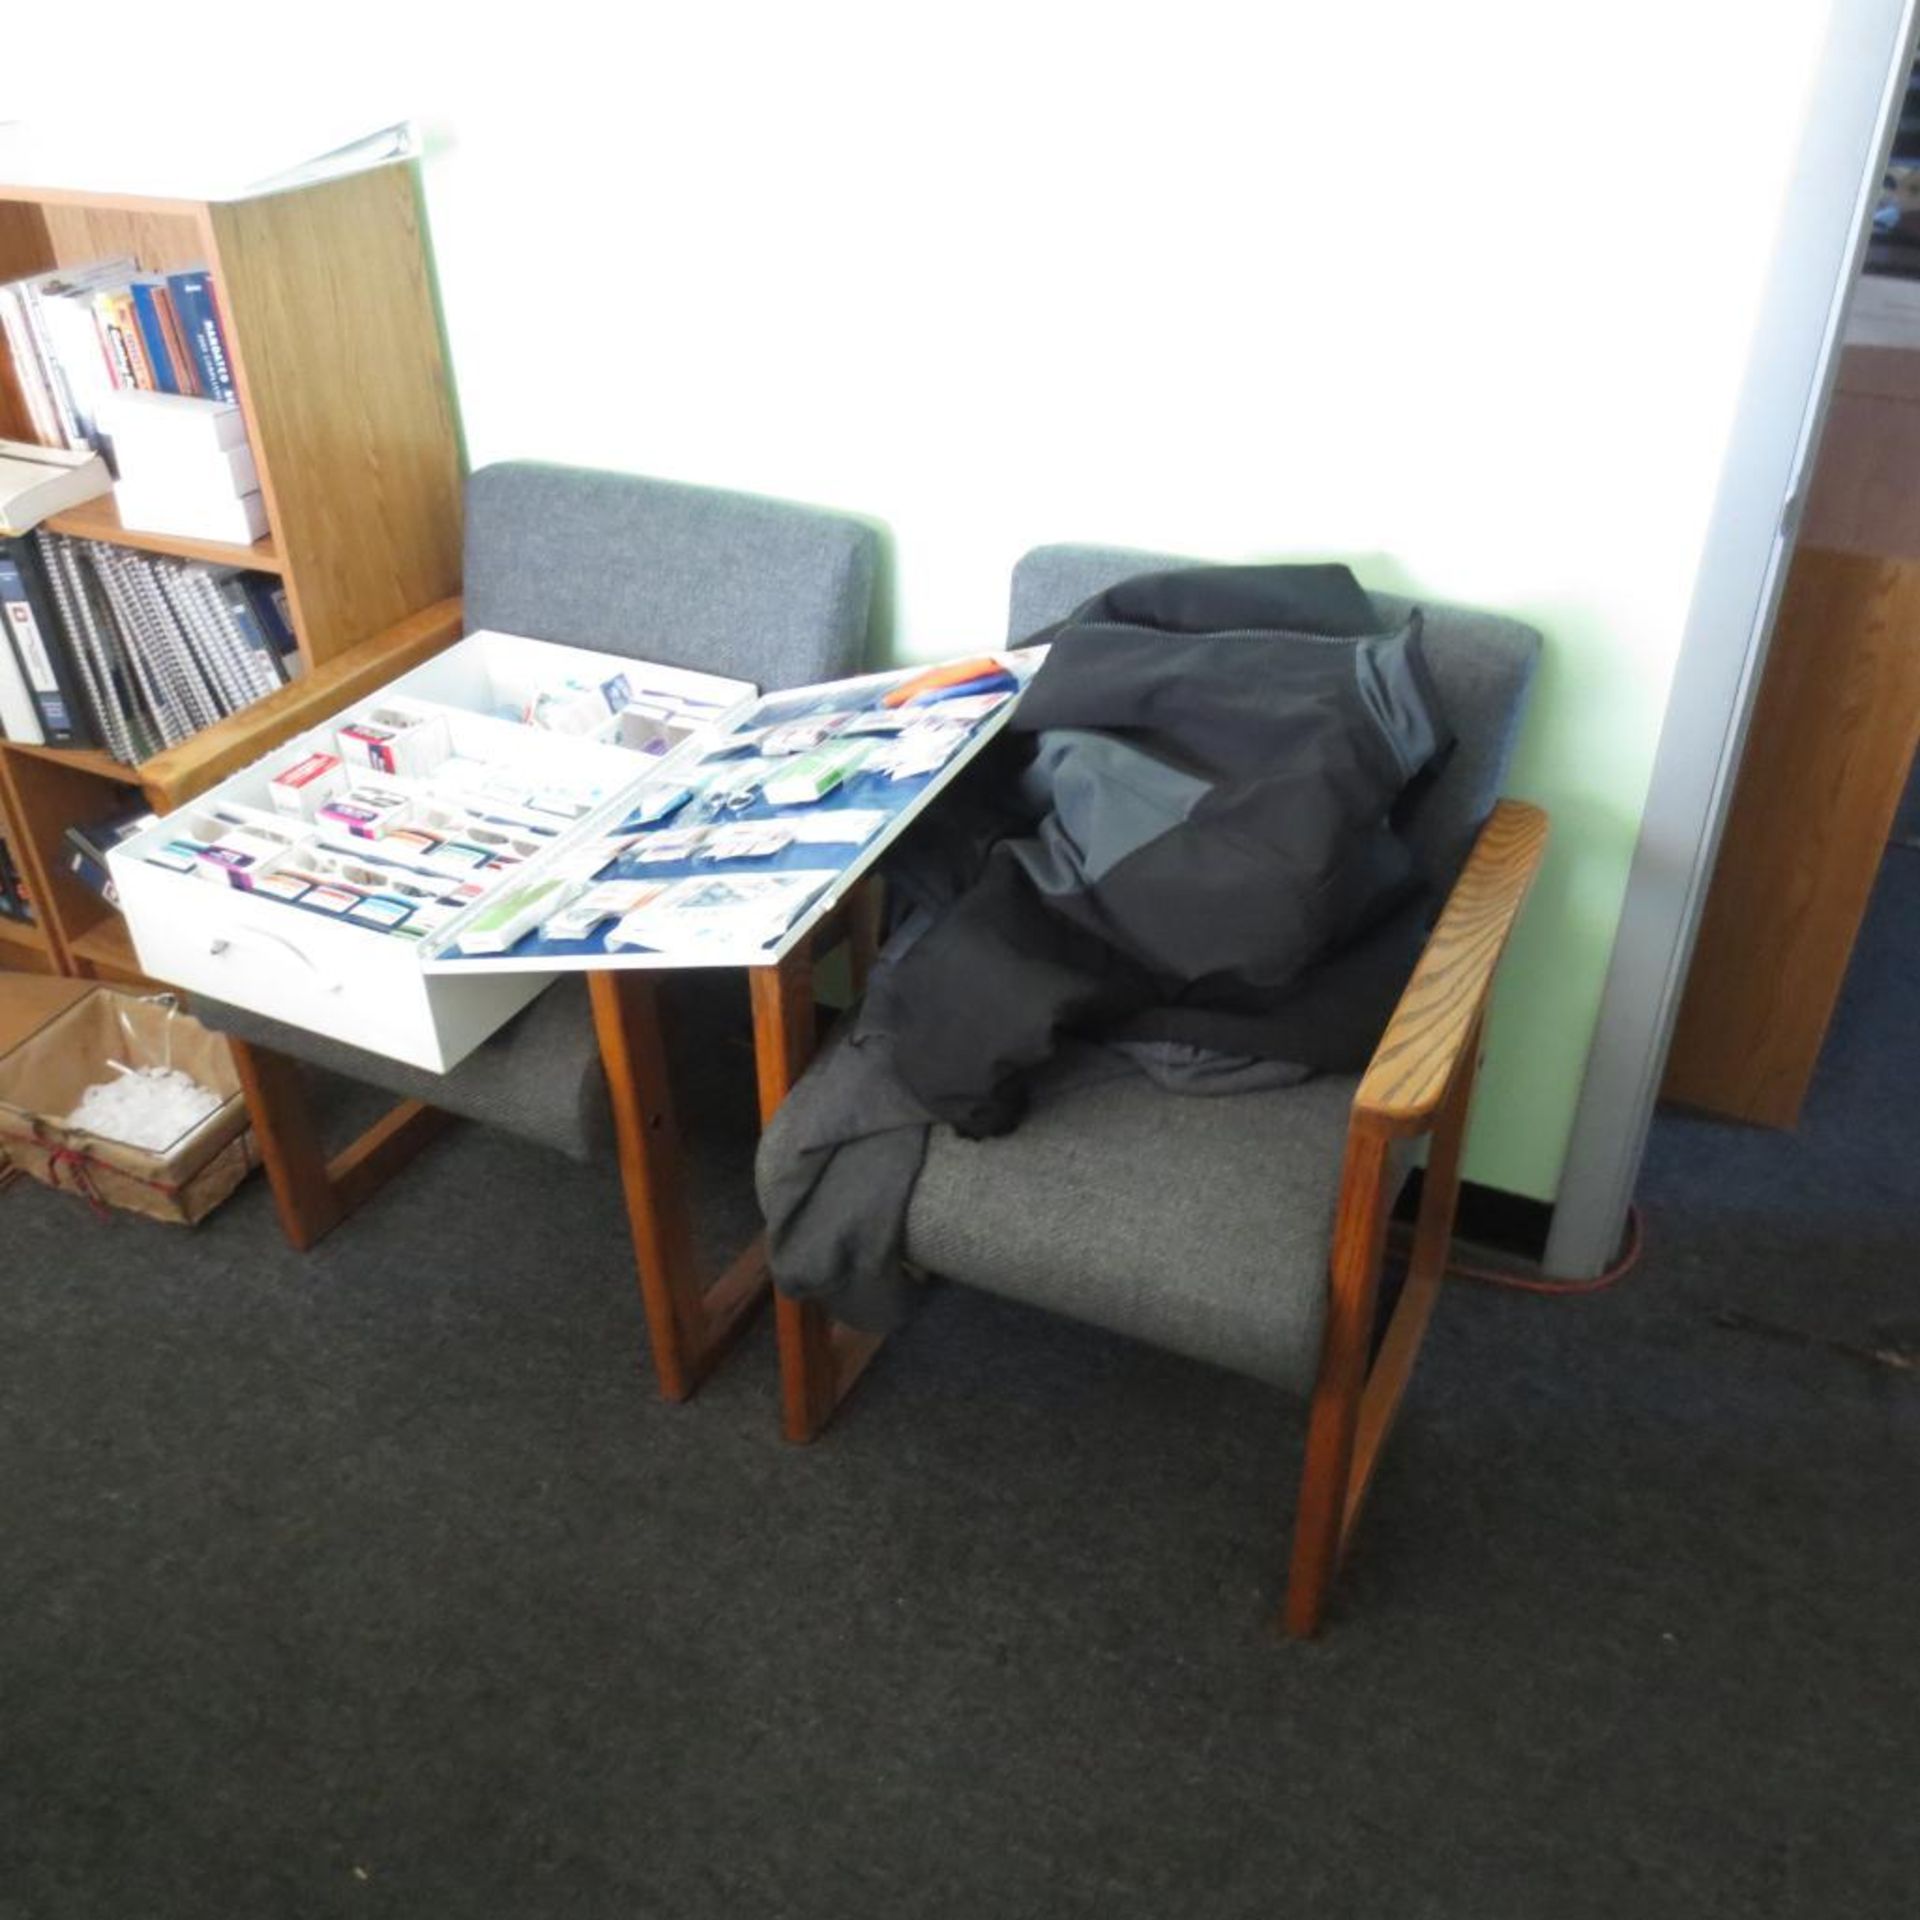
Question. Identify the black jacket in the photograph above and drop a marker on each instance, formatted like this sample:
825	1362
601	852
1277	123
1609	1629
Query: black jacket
1187	834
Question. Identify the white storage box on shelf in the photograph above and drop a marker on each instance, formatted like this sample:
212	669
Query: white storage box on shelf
351	981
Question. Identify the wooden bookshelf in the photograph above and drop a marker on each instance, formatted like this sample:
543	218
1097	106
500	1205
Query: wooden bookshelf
91	760
100	520
105	950
334	339
25	946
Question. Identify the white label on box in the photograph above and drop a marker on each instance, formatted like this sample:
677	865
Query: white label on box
303	788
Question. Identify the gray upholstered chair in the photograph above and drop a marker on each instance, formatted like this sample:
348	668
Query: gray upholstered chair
1248	1229
692	576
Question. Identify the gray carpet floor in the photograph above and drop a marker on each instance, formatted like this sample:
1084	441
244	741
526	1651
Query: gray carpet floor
379	1583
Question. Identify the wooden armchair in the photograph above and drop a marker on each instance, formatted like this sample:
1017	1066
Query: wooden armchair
1420	1082
1250	1229
762	590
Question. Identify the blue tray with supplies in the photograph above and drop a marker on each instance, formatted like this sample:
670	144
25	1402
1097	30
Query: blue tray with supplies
717	902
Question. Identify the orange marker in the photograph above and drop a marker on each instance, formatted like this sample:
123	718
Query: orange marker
955	673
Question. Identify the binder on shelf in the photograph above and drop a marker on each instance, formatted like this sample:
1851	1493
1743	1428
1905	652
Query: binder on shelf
19	717
208	639
268	598
241	605
136	682
40	648
153	628
252	672
165	698
159	647
95	667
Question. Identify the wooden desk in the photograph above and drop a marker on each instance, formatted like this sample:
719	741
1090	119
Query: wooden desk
690	1320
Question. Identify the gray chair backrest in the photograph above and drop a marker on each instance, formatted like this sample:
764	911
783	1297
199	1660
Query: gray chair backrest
1482	665
690	576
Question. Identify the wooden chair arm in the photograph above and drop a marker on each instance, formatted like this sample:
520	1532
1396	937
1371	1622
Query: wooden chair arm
1437	1020
172	778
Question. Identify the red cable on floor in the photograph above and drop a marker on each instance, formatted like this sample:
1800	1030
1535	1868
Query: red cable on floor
1519	1283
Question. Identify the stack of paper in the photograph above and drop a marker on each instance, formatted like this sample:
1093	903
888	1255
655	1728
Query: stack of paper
738	911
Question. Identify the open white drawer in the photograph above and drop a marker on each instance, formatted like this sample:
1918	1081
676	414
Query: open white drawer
354	982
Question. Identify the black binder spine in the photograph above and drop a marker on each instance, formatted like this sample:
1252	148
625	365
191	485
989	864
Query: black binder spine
40	643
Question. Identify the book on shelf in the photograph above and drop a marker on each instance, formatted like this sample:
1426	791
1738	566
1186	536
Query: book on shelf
167	354
199	311
78	335
89	843
135	652
37	481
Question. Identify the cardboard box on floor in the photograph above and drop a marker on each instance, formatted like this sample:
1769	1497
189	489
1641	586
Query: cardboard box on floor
49	1065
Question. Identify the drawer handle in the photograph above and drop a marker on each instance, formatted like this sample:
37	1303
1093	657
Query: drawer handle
320	980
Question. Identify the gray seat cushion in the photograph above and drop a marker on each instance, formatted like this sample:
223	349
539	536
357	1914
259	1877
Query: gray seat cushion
1199	1223
539	1077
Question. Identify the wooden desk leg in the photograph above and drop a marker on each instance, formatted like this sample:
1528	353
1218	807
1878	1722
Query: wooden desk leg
819	1361
312	1193
690	1327
290	1149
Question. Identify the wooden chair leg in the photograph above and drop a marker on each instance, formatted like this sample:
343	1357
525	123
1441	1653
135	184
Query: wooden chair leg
689	1326
819	1360
1426	1268
1354	1404
1359	1239
290	1150
311	1192
783	1038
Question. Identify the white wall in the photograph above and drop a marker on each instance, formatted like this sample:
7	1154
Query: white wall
1462	294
